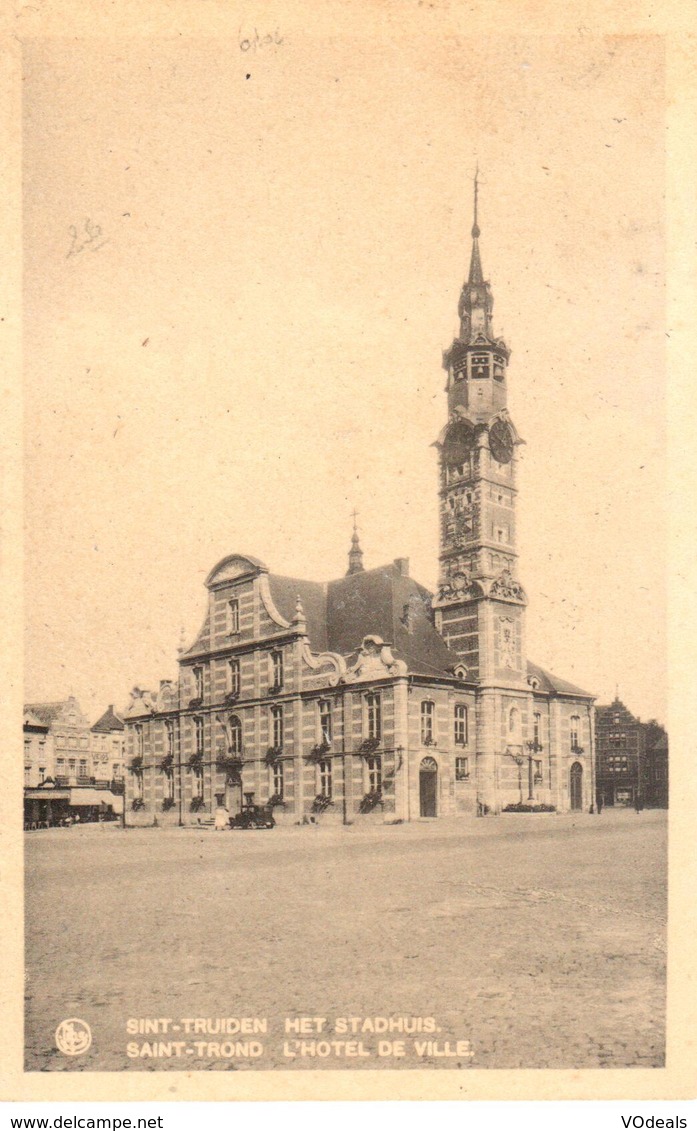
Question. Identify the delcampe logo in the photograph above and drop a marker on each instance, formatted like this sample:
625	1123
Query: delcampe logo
73	1036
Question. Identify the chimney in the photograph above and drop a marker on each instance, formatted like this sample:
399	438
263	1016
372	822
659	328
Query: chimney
402	565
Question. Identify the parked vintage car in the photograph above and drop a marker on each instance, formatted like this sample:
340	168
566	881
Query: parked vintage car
253	817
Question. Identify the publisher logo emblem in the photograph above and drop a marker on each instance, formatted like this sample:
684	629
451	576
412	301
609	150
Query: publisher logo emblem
73	1037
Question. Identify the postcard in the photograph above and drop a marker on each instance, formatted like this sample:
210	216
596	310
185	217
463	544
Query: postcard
351	346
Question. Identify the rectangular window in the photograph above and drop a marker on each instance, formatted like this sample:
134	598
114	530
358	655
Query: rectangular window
72	767
277	670
60	765
427	713
83	768
233	616
277	782
169	730
60	740
538	769
373	715
116	771
234	677
198	683
373	774
462	769
460	724
138	786
198	783
169	785
325	721
325	777
140	742
536	728
573	731
198	731
277	727
27	775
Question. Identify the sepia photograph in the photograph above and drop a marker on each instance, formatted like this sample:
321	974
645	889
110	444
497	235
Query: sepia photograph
345	707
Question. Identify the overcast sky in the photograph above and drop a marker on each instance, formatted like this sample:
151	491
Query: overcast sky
241	268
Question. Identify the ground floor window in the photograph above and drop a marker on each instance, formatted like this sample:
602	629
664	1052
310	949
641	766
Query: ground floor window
324	777
373	774
169	785
198	783
462	769
138	786
277	782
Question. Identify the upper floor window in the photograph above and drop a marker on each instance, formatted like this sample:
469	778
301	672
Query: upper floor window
277	669
140	741
460	724
233	616
373	715
277	726
60	740
536	728
574	727
428	710
27	775
325	721
198	735
169	737
83	768
233	676
198	683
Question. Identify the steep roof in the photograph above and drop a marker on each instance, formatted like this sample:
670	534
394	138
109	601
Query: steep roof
46	712
386	602
313	595
31	720
108	721
552	685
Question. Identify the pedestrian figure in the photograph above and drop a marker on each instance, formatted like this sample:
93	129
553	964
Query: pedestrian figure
222	819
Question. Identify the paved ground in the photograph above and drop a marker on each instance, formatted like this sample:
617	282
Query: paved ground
540	939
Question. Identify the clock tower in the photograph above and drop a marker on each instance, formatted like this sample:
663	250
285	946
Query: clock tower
480	603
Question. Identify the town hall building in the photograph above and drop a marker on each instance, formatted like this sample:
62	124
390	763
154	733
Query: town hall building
368	698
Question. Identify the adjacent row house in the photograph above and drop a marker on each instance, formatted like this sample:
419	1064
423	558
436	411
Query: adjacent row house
71	768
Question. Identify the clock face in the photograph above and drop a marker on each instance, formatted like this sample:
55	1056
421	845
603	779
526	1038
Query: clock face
501	442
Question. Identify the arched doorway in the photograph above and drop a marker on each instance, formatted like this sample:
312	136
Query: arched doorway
576	786
428	787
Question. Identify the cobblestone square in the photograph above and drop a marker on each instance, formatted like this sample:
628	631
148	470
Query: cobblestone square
539	939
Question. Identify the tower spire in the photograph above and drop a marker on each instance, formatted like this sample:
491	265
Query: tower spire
476	275
355	553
